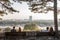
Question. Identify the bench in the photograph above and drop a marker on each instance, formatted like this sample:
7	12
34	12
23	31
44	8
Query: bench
22	35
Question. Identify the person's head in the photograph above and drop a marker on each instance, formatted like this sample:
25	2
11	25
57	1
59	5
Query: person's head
19	28
13	27
47	28
51	27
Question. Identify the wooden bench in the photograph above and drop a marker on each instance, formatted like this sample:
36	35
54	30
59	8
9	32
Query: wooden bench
45	34
22	35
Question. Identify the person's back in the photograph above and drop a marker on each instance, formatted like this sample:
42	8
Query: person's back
13	30
19	29
47	30
51	29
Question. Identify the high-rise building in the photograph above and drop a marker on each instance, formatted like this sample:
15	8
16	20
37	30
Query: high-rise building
30	18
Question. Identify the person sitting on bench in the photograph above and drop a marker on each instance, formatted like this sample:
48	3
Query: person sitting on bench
13	30
19	29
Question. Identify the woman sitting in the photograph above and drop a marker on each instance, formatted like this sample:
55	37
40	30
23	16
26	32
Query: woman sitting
19	29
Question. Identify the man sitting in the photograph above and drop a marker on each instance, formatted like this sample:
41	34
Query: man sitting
13	30
47	30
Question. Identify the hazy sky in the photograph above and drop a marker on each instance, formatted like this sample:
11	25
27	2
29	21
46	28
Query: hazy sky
25	13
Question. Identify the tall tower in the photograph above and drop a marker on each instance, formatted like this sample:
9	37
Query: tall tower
30	18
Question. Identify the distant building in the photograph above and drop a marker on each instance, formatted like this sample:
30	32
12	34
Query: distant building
30	18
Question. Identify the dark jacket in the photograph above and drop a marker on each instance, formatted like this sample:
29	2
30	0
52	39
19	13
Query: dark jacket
13	30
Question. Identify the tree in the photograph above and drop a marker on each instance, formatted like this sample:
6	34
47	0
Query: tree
41	7
7	29
36	6
31	27
55	18
6	7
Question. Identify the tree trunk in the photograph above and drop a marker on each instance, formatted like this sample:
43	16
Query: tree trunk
55	17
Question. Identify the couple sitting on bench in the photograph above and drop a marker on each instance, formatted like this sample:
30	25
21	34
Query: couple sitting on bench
14	30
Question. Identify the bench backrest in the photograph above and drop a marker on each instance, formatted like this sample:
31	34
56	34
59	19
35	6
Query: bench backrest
29	34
